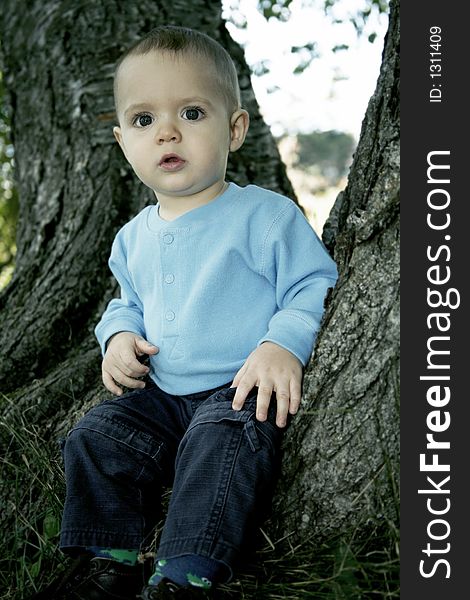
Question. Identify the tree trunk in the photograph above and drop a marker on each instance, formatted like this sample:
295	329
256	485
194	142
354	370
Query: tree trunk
341	464
76	190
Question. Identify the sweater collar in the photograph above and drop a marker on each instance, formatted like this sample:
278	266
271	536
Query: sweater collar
202	214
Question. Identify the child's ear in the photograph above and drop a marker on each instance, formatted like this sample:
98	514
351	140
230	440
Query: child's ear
239	123
118	136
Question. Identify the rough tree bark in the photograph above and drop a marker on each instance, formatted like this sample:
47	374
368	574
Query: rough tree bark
343	452
76	190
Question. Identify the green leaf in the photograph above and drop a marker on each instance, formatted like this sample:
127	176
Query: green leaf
51	526
340	47
35	568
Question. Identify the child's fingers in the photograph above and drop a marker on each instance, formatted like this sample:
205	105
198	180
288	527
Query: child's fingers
282	399
244	387
238	376
110	385
263	400
144	347
128	364
295	396
128	382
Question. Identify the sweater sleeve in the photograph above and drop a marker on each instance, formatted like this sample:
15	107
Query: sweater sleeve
298	266
124	313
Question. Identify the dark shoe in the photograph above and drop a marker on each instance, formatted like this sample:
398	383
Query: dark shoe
96	579
167	590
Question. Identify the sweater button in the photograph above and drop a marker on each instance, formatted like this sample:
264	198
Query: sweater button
170	315
169	278
168	238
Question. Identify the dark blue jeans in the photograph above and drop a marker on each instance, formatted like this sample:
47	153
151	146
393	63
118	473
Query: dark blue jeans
221	463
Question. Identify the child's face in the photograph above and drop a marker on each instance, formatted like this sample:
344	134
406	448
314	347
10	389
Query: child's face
175	129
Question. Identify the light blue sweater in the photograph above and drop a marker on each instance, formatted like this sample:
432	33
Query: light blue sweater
210	286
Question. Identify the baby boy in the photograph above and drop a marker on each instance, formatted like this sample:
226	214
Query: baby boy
222	288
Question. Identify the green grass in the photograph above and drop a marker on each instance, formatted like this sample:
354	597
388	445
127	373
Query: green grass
361	565
343	569
32	488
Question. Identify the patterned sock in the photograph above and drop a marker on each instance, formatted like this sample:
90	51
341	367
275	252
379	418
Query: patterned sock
190	569
126	557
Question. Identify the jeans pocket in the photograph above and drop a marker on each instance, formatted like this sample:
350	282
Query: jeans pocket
218	409
252	435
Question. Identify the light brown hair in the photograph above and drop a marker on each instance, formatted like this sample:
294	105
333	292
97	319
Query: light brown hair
182	40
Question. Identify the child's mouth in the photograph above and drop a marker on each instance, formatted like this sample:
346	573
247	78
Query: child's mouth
171	162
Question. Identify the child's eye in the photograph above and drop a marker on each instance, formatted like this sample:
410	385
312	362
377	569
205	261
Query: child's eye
143	120
193	113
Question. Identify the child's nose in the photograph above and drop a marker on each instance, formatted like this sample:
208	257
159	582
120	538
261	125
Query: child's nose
167	131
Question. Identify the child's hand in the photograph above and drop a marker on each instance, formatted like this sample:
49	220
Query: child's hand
120	362
272	369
